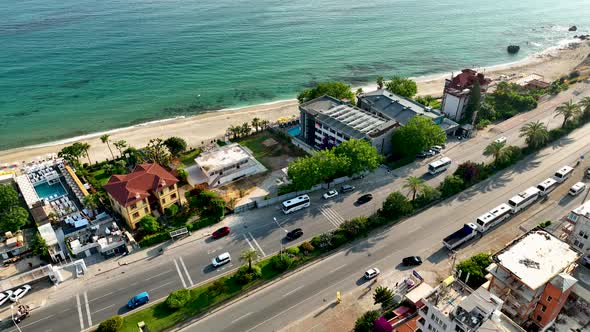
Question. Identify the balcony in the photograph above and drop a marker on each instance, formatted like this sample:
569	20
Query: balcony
421	321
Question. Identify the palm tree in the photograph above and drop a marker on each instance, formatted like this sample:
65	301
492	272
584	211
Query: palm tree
359	92
120	145
568	110
91	201
414	184
84	147
383	296
496	150
380	82
585	105
256	123
246	129
249	256
105	139
264	124
535	134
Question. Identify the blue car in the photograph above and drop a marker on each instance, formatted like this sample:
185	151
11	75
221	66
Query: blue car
137	300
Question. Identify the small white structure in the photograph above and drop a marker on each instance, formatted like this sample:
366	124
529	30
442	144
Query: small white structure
578	227
224	165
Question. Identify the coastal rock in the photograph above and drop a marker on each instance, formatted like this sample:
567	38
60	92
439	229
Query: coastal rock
513	49
582	37
573	28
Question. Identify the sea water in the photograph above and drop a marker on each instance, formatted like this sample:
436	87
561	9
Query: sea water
73	67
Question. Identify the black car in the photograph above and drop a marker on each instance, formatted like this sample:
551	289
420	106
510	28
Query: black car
294	234
412	261
364	199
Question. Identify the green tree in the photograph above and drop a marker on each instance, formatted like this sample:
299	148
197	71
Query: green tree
39	246
383	296
208	204
178	299
402	86
249	256
476	268
13	219
451	185
426	195
585	106
337	90
474	102
428	100
84	148
172	210
359	92
105	139
497	151
149	224
71	153
535	134
264	124
156	152
417	135
91	201
182	174
355	226
414	185
120	145
176	145
8	198
396	205
256	124
380	82
568	110
246	129
112	324
361	154
366	321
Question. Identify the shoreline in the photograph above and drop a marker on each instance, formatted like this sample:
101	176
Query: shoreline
551	63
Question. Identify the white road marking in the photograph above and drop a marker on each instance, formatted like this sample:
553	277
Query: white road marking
293	291
87	308
80	311
237	319
37	321
159	274
333	217
338	268
249	243
257	245
162	285
188	276
100	297
112	305
133	284
179	274
61	312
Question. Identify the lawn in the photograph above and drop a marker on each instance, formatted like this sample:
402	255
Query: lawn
275	153
101	176
188	158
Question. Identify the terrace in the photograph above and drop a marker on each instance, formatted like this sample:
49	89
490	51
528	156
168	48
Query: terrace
103	236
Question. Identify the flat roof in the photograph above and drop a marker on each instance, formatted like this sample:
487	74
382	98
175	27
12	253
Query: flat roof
583	210
536	258
48	234
222	157
419	292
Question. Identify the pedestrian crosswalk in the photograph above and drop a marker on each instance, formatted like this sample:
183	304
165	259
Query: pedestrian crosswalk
333	217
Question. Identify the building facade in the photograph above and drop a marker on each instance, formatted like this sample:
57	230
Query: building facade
149	187
533	277
578	228
458	90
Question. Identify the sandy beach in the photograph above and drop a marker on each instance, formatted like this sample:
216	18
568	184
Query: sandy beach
551	64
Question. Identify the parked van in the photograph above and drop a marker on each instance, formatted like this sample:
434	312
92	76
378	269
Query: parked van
137	300
563	173
577	188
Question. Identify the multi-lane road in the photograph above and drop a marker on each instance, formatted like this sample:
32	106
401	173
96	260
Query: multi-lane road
187	265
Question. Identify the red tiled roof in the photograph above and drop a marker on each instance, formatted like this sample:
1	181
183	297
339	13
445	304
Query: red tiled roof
409	326
466	78
145	178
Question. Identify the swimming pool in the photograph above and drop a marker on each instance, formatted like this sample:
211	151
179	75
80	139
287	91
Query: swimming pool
44	190
294	131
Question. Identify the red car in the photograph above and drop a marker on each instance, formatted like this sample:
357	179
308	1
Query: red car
223	231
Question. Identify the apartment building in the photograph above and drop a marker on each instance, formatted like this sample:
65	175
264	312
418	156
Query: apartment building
458	90
533	277
578	228
149	187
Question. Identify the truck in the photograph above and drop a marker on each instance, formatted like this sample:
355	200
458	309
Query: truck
466	233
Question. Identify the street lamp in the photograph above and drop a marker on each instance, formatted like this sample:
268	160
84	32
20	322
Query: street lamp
12	316
281	227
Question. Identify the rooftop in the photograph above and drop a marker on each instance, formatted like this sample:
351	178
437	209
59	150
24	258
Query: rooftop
222	157
536	257
583	210
448	295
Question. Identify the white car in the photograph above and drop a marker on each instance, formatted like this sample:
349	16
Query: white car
221	259
19	293
4	296
577	188
372	273
500	139
330	194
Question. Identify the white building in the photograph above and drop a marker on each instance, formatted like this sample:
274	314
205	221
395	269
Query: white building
458	90
224	165
578	228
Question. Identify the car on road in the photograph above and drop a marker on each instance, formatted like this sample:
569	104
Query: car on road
412	261
223	231
588	172
221	259
330	194
426	154
436	148
500	139
346	188
19	293
372	273
577	188
364	198
294	234
137	300
5	296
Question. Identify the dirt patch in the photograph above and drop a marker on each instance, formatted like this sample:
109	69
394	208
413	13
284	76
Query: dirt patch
269	142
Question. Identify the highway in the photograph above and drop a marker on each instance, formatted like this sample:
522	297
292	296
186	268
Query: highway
188	265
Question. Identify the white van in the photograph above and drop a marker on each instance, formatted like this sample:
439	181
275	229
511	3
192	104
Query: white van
563	173
577	188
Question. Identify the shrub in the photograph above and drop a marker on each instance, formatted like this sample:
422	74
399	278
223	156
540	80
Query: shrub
354	227
281	262
483	123
244	276
470	172
149	224
178	299
112	324
306	247
218	286
172	210
322	241
451	185
366	321
476	268
150	240
426	196
294	251
396	205
338	238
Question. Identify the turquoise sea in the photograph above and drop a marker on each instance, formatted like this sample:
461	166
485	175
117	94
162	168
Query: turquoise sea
73	67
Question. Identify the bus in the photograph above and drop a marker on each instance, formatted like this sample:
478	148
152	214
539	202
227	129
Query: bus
563	173
547	186
524	199
493	217
295	204
440	165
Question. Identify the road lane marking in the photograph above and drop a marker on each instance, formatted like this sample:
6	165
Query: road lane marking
333	217
249	243
179	273
37	321
257	245
162	285
188	276
338	268
133	284
80	311
100	297
87	308
112	305
159	274
61	312
237	319
293	291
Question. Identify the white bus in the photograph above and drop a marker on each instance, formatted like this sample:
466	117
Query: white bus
440	165
295	204
563	173
547	186
493	217
524	199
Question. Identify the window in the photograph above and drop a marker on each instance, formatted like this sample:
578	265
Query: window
543	308
133	206
445	327
581	233
146	210
539	318
173	196
432	317
581	245
549	298
163	201
573	217
576	242
136	215
458	329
